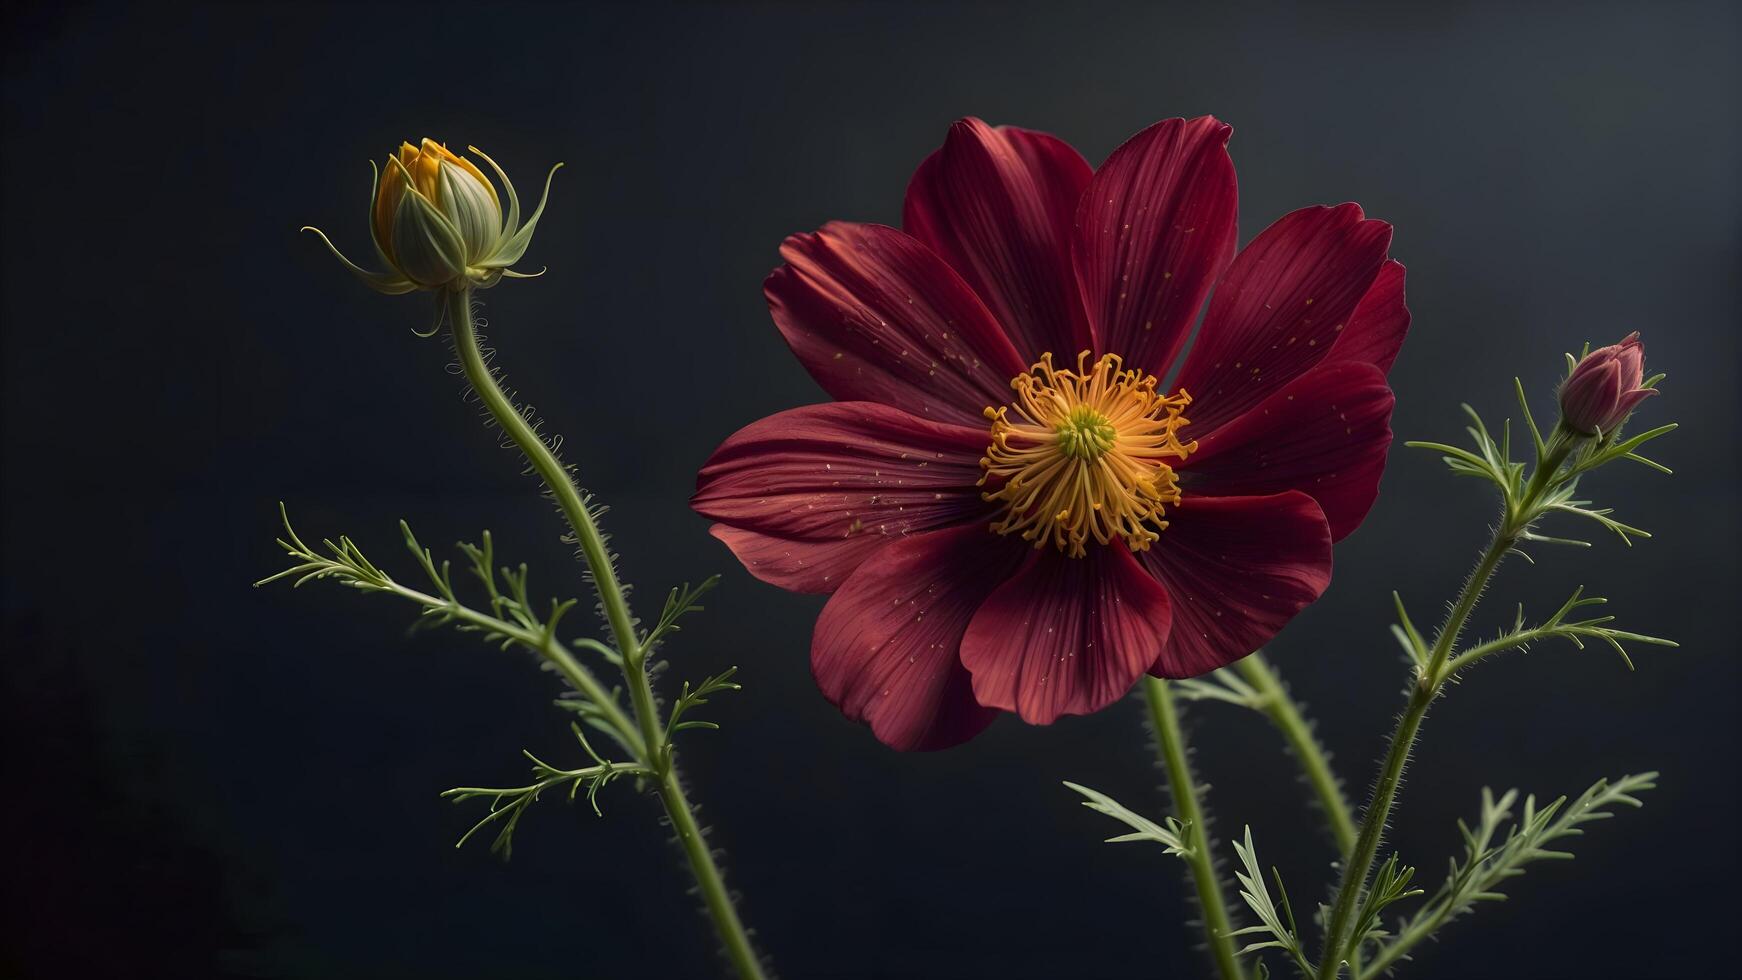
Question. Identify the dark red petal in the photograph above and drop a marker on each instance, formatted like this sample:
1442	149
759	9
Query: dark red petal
843	477
1326	433
1238	569
875	315
1066	636
886	647
998	205
1630	400
1155	229
1376	328
798	565
1283	303
1632	358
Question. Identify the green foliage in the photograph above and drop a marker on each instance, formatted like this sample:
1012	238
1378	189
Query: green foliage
1390	886
694	698
679	603
1559	626
508	805
343	562
1528	494
1408	636
1174	835
1560	460
1492	857
1222	684
510	618
1551	489
1492	461
1276	923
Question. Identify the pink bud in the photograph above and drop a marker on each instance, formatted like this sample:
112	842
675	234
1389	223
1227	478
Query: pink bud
1604	387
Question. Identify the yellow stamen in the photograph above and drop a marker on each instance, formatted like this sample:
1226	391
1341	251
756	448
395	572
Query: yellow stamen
1087	458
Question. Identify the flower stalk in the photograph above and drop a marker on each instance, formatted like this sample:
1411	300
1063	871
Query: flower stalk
1515	523
658	754
1280	708
1188	808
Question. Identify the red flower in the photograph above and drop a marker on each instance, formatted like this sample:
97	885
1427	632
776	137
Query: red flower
1038	550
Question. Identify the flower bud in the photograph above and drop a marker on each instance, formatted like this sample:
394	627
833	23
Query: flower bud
435	214
1604	387
438	224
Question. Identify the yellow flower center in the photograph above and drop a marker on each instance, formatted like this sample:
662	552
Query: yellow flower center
1086	457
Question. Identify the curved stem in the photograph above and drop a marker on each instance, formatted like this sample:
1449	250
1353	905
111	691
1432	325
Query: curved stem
1510	641
1522	510
549	469
1286	716
1170	739
659	755
711	882
1360	861
1378	812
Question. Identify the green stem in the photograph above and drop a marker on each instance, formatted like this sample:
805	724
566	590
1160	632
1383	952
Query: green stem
712	883
592	544
549	469
1170	740
1378	812
562	776
578	676
1521	512
1398	947
1286	716
1508	642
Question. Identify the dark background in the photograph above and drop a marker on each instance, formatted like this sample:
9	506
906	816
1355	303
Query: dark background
203	778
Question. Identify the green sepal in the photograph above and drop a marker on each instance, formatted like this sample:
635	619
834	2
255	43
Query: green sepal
387	283
515	245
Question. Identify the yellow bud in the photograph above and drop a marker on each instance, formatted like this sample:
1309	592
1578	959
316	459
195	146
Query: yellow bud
438	223
436	215
419	168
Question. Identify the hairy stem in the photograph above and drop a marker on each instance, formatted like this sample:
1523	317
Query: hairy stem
1378	812
1170	740
1286	716
1520	513
549	469
1510	641
658	757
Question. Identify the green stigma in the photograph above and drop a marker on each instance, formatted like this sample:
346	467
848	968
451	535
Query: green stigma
1085	433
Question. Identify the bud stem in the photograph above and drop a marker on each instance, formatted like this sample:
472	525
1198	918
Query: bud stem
1286	716
1520	513
659	754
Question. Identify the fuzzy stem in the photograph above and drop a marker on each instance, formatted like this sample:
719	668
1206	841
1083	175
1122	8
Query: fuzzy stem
1521	512
1170	739
592	544
1286	716
549	469
1510	641
1360	861
1378	812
